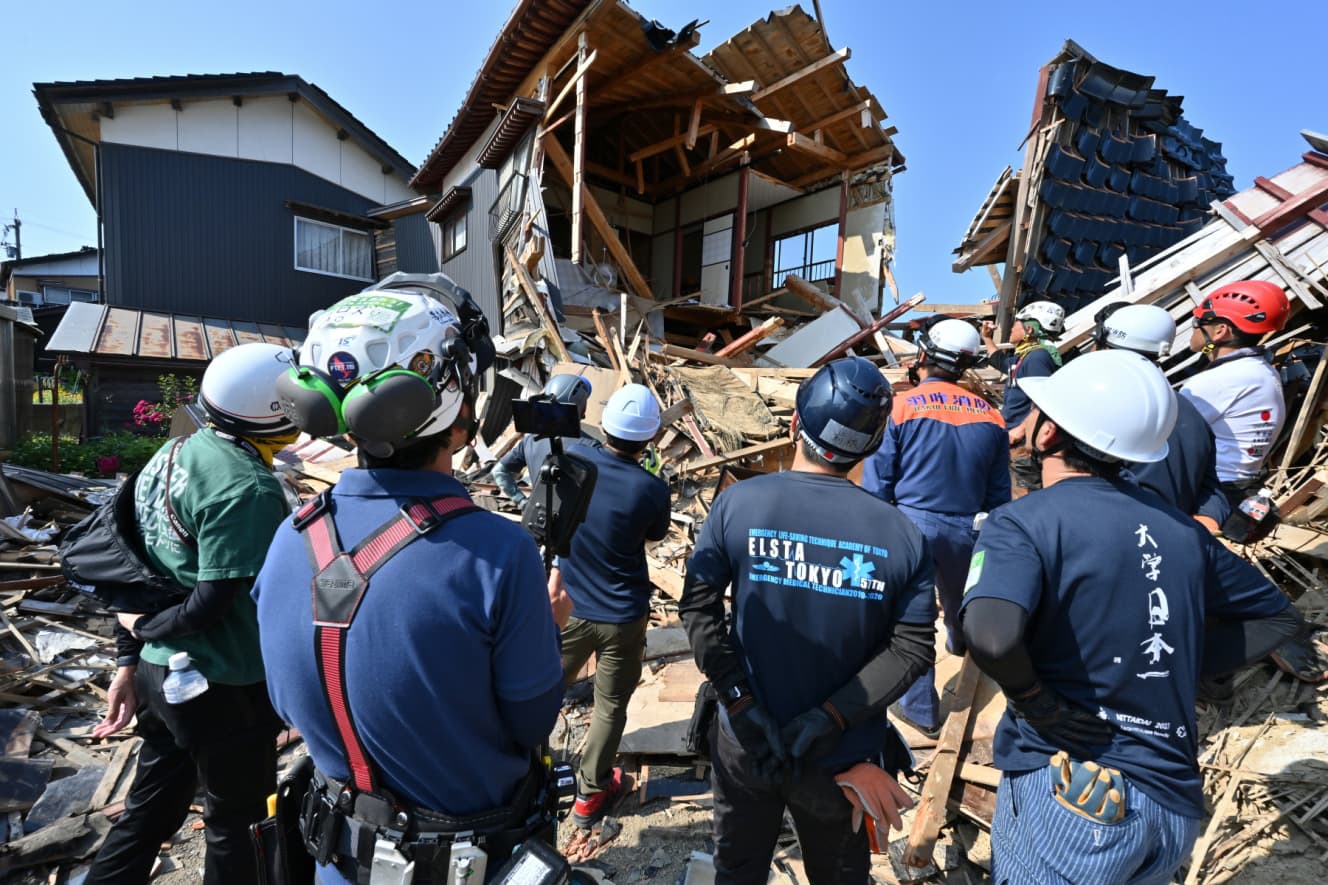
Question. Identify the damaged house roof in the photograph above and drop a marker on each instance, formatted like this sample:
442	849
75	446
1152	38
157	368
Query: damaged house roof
1113	169
660	119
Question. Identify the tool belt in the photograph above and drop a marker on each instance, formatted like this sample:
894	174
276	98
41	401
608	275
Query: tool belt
340	824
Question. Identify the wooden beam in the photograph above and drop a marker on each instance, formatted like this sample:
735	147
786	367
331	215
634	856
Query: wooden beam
581	69
726	457
673	351
694	126
579	155
839	238
744	343
563	164
815	67
742	87
537	302
626	72
931	812
839	115
660	147
801	143
610	174
739	249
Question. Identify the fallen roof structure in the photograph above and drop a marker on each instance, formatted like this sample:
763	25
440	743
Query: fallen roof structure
1112	171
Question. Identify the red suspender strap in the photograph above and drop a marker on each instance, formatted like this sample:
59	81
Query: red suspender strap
339	583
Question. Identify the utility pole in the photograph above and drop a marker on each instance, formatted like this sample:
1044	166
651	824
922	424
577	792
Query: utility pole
17	228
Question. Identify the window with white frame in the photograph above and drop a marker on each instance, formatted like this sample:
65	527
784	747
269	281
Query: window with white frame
454	235
64	295
332	250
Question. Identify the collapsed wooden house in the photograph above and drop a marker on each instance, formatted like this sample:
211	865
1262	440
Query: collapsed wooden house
1112	172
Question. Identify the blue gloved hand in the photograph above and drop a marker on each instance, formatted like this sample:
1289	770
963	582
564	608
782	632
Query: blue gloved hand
1088	789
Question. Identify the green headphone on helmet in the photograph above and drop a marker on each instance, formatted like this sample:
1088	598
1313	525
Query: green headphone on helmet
381	410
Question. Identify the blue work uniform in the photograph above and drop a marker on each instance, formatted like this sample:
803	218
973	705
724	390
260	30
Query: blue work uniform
605	573
451	665
529	455
1037	363
1187	477
1117	585
945	457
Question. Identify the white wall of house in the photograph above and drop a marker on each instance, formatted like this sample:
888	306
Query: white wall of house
804	212
75	265
864	248
270	129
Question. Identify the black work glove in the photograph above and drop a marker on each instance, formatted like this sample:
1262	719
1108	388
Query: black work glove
811	734
758	733
1066	726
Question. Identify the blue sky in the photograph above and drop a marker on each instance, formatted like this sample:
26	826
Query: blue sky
956	78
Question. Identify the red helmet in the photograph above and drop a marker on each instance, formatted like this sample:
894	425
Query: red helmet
1253	306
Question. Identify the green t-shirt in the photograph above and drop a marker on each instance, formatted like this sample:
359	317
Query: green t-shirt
231	504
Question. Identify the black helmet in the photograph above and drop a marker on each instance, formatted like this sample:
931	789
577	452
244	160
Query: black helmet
842	410
571	389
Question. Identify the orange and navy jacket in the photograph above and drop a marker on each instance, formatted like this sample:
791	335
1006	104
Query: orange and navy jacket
945	451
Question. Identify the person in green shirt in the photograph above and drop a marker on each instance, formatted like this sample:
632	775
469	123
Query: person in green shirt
207	507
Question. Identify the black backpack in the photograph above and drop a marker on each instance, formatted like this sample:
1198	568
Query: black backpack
104	556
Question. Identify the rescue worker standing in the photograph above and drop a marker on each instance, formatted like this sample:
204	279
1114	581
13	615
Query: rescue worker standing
606	577
425	673
944	459
833	617
1239	393
529	455
206	508
1035	326
1087	605
1187	477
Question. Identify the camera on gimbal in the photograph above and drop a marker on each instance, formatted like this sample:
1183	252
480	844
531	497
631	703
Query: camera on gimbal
566	481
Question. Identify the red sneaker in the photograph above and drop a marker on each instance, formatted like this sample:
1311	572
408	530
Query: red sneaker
589	809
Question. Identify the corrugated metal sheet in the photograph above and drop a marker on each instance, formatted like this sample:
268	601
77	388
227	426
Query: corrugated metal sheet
123	332
201	235
414	245
474	269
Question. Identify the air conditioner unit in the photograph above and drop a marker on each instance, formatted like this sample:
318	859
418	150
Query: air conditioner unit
30	298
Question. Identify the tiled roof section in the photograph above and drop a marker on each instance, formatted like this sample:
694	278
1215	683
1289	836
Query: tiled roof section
1127	174
123	333
531	31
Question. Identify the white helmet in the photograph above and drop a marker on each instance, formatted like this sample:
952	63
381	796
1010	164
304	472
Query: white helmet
632	413
362	335
1143	328
1049	316
951	345
1115	403
239	390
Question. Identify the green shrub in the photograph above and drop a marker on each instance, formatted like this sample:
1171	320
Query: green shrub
34	450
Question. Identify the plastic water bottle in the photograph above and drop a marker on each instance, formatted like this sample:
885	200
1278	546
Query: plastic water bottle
183	683
1253	520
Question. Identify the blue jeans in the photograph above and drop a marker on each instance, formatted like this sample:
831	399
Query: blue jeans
951	539
1037	840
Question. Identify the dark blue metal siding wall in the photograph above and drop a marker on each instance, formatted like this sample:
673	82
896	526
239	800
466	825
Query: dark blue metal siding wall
474	268
194	234
415	249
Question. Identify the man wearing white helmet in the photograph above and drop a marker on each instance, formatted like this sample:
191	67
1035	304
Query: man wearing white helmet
1036	325
423	672
607	578
1088	605
1187	477
944	458
206	508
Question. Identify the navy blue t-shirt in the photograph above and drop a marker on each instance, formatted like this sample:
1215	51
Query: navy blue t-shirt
451	625
529	455
1037	363
1116	606
1187	477
821	572
606	574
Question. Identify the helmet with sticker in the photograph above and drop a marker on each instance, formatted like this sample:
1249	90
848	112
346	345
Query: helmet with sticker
238	391
951	345
363	335
1143	328
842	410
1045	316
